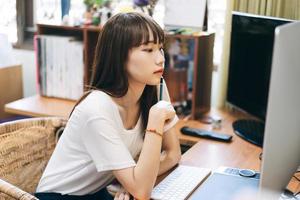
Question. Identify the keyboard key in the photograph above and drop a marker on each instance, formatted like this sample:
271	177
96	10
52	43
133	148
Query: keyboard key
180	183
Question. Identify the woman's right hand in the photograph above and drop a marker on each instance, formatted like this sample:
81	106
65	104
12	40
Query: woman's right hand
160	113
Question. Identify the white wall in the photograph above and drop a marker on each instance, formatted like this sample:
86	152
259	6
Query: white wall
26	59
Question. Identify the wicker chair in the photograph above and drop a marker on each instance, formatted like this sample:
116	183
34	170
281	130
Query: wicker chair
25	148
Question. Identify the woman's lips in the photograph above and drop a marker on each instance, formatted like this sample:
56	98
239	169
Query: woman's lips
159	71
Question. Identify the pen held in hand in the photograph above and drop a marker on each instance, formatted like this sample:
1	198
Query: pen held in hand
160	88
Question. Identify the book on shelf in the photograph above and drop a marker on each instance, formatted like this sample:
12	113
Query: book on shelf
60	66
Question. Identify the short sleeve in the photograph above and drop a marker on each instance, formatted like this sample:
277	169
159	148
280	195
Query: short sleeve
105	146
166	97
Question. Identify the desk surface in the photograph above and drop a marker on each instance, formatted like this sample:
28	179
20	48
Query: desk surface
212	154
205	153
208	153
38	106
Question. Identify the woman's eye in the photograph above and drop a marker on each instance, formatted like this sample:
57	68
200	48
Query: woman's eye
148	50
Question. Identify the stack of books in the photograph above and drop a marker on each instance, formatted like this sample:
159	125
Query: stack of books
60	66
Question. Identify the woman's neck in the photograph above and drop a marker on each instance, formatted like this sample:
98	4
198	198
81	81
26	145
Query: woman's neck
133	95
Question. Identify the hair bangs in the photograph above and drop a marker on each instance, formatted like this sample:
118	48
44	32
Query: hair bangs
144	29
157	32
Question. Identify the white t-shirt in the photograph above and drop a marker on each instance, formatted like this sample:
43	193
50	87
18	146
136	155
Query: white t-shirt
93	144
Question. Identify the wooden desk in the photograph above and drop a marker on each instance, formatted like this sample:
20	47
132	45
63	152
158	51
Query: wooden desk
209	153
38	106
213	155
232	153
204	153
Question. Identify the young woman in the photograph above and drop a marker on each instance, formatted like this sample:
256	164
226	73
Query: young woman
119	120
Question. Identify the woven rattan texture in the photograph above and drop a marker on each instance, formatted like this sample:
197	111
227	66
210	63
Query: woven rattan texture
25	148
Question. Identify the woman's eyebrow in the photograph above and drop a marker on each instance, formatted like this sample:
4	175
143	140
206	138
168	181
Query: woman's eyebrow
150	42
147	42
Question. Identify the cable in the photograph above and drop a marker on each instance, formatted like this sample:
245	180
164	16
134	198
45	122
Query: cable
298	179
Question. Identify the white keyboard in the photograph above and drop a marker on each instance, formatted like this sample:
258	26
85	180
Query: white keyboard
180	183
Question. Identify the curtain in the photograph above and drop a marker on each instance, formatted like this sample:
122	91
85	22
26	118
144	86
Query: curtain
222	74
289	9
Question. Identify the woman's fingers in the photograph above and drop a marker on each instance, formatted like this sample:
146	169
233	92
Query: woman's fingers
122	196
117	196
127	196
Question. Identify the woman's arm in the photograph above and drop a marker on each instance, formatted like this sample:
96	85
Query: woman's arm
171	156
172	153
139	180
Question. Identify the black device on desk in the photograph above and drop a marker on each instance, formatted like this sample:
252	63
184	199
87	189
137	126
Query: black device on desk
205	134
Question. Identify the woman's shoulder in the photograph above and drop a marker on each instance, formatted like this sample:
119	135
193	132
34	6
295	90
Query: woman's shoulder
97	102
98	94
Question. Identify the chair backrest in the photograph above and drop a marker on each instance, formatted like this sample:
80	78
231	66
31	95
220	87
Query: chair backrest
9	191
25	148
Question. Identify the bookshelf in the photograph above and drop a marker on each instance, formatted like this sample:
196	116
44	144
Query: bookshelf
80	33
202	60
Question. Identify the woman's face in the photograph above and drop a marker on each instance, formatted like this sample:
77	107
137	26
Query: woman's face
146	63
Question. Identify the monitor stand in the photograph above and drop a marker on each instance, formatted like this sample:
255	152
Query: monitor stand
250	130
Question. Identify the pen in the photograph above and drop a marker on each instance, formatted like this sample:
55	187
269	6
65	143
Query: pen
160	88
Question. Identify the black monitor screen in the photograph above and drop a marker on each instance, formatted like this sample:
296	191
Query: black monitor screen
251	51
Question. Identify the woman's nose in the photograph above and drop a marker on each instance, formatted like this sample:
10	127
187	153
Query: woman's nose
160	58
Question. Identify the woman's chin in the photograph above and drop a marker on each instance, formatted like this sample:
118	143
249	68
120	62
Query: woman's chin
154	81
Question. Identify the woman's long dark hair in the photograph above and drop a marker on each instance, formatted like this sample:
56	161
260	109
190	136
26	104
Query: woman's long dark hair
119	35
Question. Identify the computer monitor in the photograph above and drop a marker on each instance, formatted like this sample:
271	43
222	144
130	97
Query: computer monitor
252	38
281	152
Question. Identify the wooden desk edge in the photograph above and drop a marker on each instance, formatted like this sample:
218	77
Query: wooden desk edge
21	112
23	106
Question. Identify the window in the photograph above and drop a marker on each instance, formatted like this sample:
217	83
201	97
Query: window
8	19
216	23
